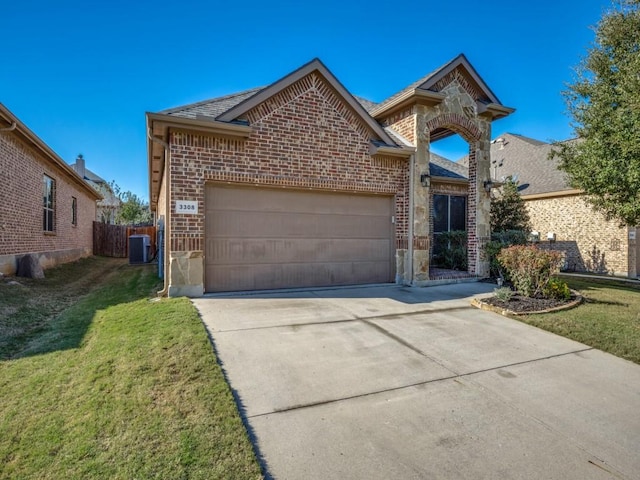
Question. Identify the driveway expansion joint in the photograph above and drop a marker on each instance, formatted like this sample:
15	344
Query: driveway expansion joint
453	377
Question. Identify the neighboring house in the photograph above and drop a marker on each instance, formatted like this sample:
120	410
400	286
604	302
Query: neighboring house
302	184
107	207
45	207
590	242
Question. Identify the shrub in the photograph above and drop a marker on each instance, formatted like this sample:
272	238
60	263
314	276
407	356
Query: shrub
556	288
450	250
504	294
500	240
530	268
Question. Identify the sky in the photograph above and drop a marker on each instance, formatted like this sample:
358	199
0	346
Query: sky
81	75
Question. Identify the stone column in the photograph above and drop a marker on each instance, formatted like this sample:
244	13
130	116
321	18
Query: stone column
421	202
478	264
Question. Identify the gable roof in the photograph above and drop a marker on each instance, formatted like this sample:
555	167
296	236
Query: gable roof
427	87
212	107
314	65
15	126
528	159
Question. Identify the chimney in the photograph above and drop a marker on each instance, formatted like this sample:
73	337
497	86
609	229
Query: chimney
79	167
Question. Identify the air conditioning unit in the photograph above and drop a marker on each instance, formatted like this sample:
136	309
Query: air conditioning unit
139	246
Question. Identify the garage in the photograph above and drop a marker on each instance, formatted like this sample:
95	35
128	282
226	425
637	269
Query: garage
264	238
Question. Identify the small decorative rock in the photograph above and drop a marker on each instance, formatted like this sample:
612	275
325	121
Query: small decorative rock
29	267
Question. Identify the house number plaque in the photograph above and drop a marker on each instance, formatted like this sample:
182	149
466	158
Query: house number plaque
186	207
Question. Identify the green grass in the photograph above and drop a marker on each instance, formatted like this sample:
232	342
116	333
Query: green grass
110	383
608	319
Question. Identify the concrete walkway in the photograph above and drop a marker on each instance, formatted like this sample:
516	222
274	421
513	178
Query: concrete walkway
390	382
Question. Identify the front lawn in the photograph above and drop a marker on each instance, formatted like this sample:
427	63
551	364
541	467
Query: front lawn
99	380
608	319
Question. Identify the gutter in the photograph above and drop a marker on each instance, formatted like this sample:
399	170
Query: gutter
167	220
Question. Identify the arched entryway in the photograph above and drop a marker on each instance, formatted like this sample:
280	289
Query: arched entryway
453	204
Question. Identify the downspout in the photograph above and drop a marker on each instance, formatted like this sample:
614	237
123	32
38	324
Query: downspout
9	128
167	222
409	267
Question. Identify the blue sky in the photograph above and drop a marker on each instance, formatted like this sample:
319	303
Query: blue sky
81	75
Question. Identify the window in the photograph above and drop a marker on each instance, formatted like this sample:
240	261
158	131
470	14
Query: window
449	213
74	211
49	204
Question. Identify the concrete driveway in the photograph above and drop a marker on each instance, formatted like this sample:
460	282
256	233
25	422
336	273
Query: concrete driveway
390	382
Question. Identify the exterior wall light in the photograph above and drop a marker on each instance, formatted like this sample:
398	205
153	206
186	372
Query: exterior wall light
425	180
551	237
488	185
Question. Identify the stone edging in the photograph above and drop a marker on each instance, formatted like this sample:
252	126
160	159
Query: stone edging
478	303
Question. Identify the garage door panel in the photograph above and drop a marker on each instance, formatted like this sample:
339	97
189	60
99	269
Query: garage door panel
247	224
262	238
261	277
279	250
291	201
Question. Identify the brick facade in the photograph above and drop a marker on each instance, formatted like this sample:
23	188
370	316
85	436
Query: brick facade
306	132
21	208
589	241
304	138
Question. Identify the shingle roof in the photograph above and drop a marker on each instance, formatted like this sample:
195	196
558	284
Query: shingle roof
443	167
411	87
528	159
212	107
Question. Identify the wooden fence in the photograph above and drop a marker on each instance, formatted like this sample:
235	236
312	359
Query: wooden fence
112	240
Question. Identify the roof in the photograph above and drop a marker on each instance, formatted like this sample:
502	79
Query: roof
212	107
527	160
429	85
443	167
11	124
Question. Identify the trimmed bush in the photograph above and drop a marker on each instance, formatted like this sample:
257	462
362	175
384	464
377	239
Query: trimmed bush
530	269
504	294
557	288
500	240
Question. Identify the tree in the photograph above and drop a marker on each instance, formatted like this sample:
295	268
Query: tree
508	211
604	103
132	210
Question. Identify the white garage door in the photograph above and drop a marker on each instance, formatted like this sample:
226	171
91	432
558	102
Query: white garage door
262	238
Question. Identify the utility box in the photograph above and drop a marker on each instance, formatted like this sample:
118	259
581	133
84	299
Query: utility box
139	246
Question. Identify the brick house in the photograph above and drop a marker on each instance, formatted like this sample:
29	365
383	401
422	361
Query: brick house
302	184
590	242
45	207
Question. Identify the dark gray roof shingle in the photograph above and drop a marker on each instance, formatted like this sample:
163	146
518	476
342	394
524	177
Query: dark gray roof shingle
212	107
528	159
443	167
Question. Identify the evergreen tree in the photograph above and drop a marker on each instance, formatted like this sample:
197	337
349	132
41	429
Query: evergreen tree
508	211
604	103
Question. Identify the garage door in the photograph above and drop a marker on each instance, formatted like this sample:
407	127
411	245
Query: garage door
262	238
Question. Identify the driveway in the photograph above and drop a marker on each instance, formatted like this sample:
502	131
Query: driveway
391	382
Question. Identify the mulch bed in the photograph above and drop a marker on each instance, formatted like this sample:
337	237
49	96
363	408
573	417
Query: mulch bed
521	304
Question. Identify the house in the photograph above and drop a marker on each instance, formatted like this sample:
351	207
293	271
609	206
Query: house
108	206
45	207
302	184
590	242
